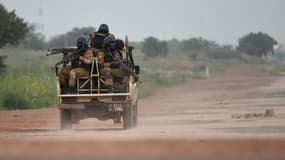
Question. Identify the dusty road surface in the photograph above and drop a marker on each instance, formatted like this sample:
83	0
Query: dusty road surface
222	117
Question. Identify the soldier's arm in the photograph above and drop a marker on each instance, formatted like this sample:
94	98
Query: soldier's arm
88	57
100	56
101	62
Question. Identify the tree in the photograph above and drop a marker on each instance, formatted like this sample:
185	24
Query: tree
174	46
152	47
163	49
257	44
68	39
197	44
12	28
34	40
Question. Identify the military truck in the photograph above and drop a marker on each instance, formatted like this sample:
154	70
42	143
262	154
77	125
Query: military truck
91	100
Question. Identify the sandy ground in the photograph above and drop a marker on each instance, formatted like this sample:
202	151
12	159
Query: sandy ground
218	118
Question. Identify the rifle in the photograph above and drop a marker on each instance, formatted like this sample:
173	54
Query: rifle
69	54
129	52
64	51
68	58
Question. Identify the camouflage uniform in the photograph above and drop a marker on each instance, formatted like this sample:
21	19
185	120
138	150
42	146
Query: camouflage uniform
84	68
64	72
119	72
104	68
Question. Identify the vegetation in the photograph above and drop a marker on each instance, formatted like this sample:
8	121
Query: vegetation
12	28
198	43
152	47
257	44
29	81
33	40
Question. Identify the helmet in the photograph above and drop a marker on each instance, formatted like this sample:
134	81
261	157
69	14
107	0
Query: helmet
81	43
119	44
107	40
103	28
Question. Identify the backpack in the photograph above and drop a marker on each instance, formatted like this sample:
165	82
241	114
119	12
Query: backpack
97	41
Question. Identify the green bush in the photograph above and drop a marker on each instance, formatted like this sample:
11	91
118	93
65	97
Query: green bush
28	81
153	80
14	100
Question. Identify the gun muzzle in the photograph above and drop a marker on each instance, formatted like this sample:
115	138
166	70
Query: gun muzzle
48	54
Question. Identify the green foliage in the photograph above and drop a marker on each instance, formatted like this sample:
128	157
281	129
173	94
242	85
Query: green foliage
68	39
12	28
28	81
197	44
14	100
152	47
257	44
153	80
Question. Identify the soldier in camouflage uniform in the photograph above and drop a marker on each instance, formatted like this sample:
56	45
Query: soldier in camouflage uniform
115	52
97	38
64	72
83	69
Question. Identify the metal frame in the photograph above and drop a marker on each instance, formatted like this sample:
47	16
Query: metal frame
94	92
94	95
90	79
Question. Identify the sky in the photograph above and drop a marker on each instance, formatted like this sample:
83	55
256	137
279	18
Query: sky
224	21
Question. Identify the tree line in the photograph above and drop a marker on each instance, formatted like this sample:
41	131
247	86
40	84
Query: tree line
254	44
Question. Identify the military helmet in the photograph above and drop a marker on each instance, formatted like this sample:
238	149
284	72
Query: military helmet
81	40
81	43
119	44
103	28
108	40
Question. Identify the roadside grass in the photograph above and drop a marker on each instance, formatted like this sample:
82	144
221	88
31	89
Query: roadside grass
277	68
28	82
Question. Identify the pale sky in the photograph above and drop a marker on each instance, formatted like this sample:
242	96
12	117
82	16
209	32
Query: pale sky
221	20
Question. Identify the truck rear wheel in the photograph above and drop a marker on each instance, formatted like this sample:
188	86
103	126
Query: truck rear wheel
127	116
65	119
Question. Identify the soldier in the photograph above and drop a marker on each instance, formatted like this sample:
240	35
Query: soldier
64	72
83	69
99	36
104	61
116	58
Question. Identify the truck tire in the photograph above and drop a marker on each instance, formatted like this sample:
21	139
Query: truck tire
127	116
65	119
135	115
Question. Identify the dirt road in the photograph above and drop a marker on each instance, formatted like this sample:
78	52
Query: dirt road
218	118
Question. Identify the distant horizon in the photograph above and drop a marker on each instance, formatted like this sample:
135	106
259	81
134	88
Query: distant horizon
223	21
